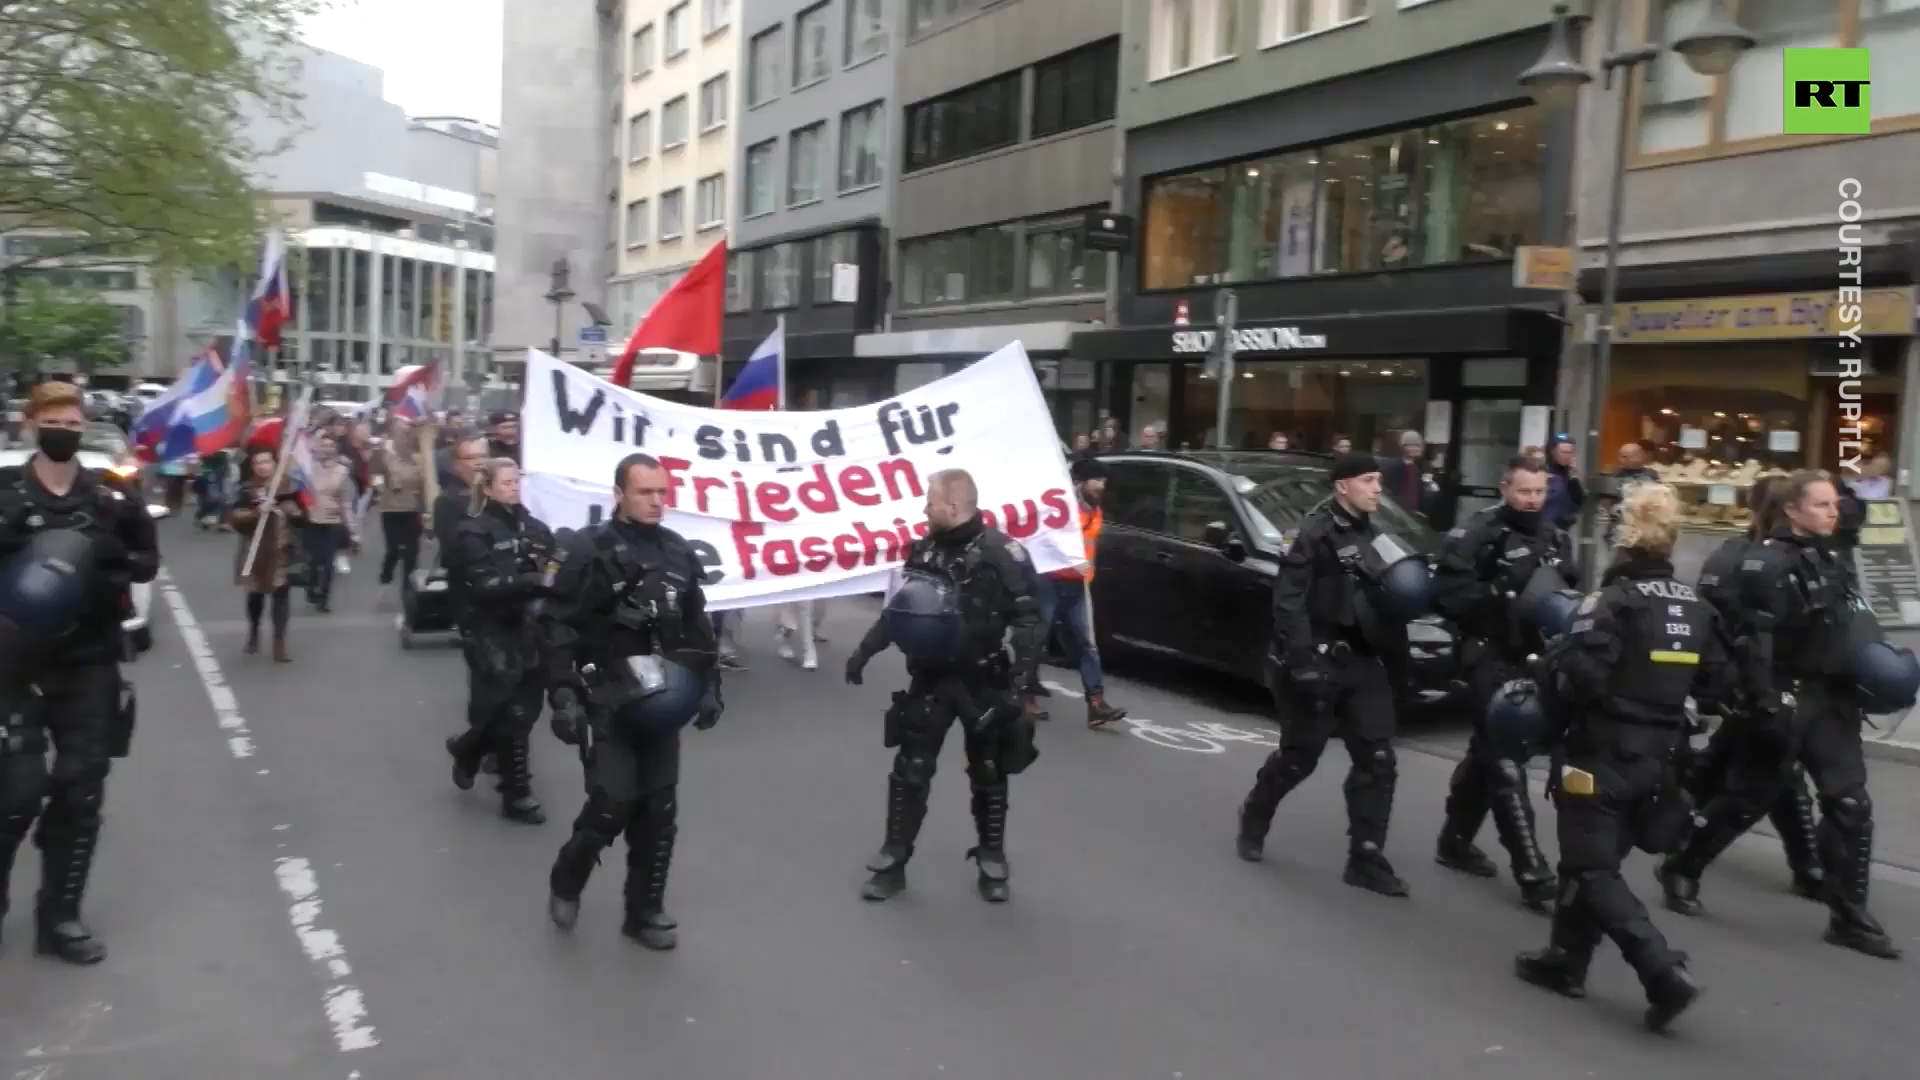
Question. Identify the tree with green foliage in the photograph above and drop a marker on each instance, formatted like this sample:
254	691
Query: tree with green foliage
61	330
123	123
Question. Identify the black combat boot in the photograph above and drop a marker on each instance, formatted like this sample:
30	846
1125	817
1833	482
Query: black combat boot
8	845
65	861
465	768
568	878
1368	869
906	808
1278	775
649	856
990	820
1669	994
516	783
1792	817
1554	968
1513	820
1466	810
1679	875
1850	866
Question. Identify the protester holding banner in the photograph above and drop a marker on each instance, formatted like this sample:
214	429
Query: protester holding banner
499	553
631	659
964	587
1064	598
281	515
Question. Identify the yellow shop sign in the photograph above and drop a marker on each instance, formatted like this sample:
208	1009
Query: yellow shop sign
1766	317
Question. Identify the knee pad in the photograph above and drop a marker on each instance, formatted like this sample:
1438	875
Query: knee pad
1506	773
1383	765
1852	811
1294	762
604	819
662	808
914	767
984	773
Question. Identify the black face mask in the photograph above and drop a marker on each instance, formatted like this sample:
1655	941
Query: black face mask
59	444
1524	520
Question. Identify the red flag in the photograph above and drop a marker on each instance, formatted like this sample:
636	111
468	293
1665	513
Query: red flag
686	319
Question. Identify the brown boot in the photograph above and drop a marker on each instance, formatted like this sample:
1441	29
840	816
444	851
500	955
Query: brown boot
280	655
1099	713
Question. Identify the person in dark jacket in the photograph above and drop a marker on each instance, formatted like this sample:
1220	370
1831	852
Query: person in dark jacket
503	436
1565	493
1408	480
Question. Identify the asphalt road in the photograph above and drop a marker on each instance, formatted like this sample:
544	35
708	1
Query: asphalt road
291	888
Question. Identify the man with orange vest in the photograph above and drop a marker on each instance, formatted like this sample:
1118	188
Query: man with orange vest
1065	595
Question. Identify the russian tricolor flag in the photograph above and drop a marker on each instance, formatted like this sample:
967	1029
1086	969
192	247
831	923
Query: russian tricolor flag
217	416
761	385
158	433
271	305
413	394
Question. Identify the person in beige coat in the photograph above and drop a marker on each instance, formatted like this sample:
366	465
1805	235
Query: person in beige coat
399	475
282	517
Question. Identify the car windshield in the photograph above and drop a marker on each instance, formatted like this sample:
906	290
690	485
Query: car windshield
104	439
1278	498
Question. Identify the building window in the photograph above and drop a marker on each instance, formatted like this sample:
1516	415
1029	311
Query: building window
640	51
778	276
1077	89
710	202
803	164
973	120
713	103
739	281
862	142
1297	18
673	213
962	267
1683	115
926	16
1463	191
840	247
763	67
673	123
1059	264
636	223
640	137
812	45
760	179
866	30
1189	34
1311	402
676	30
715	15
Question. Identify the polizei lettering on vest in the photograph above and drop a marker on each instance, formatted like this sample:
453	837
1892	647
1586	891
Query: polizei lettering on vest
1251	339
1667	590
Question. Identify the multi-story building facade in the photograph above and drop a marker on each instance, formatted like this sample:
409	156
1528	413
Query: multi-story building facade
1361	173
1006	138
389	222
1728	333
675	144
809	251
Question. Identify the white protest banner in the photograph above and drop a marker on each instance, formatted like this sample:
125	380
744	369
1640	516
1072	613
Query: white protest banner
785	506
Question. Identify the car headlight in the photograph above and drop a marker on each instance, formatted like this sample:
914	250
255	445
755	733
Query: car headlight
125	472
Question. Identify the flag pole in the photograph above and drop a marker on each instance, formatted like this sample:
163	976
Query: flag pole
292	425
780	362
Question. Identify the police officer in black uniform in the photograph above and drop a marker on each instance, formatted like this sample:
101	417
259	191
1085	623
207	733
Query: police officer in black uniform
1340	605
1796	603
624	589
85	708
1492	568
965	585
1792	814
1616	687
500	553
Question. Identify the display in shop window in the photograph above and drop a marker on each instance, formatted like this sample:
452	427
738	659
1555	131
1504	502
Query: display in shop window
1887	566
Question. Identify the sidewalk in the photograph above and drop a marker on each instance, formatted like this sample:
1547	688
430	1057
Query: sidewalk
1898	737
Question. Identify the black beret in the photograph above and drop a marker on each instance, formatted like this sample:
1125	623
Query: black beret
1349	466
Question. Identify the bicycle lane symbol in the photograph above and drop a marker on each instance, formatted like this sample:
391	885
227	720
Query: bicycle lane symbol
1197	737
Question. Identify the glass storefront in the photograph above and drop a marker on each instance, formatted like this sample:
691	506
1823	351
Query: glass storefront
1309	401
1718	418
1461	191
418	309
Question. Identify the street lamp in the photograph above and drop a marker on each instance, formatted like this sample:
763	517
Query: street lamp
558	296
1556	79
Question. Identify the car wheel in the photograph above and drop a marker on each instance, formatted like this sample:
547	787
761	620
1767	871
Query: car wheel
142	639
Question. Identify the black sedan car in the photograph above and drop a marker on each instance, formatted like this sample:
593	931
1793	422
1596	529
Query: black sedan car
1190	547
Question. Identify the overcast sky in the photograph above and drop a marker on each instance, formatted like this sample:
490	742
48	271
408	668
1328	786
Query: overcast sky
442	57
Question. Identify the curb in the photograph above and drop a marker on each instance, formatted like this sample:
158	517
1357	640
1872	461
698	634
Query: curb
1896	750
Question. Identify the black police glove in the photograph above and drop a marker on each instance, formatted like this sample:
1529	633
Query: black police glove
569	719
710	710
110	552
856	667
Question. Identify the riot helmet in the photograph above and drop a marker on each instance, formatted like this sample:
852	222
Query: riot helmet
662	696
1516	719
1403	581
1886	676
923	617
1551	612
45	587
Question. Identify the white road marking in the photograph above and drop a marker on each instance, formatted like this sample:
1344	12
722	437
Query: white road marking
344	1005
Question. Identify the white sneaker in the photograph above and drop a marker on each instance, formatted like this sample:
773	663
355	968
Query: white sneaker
810	660
786	644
